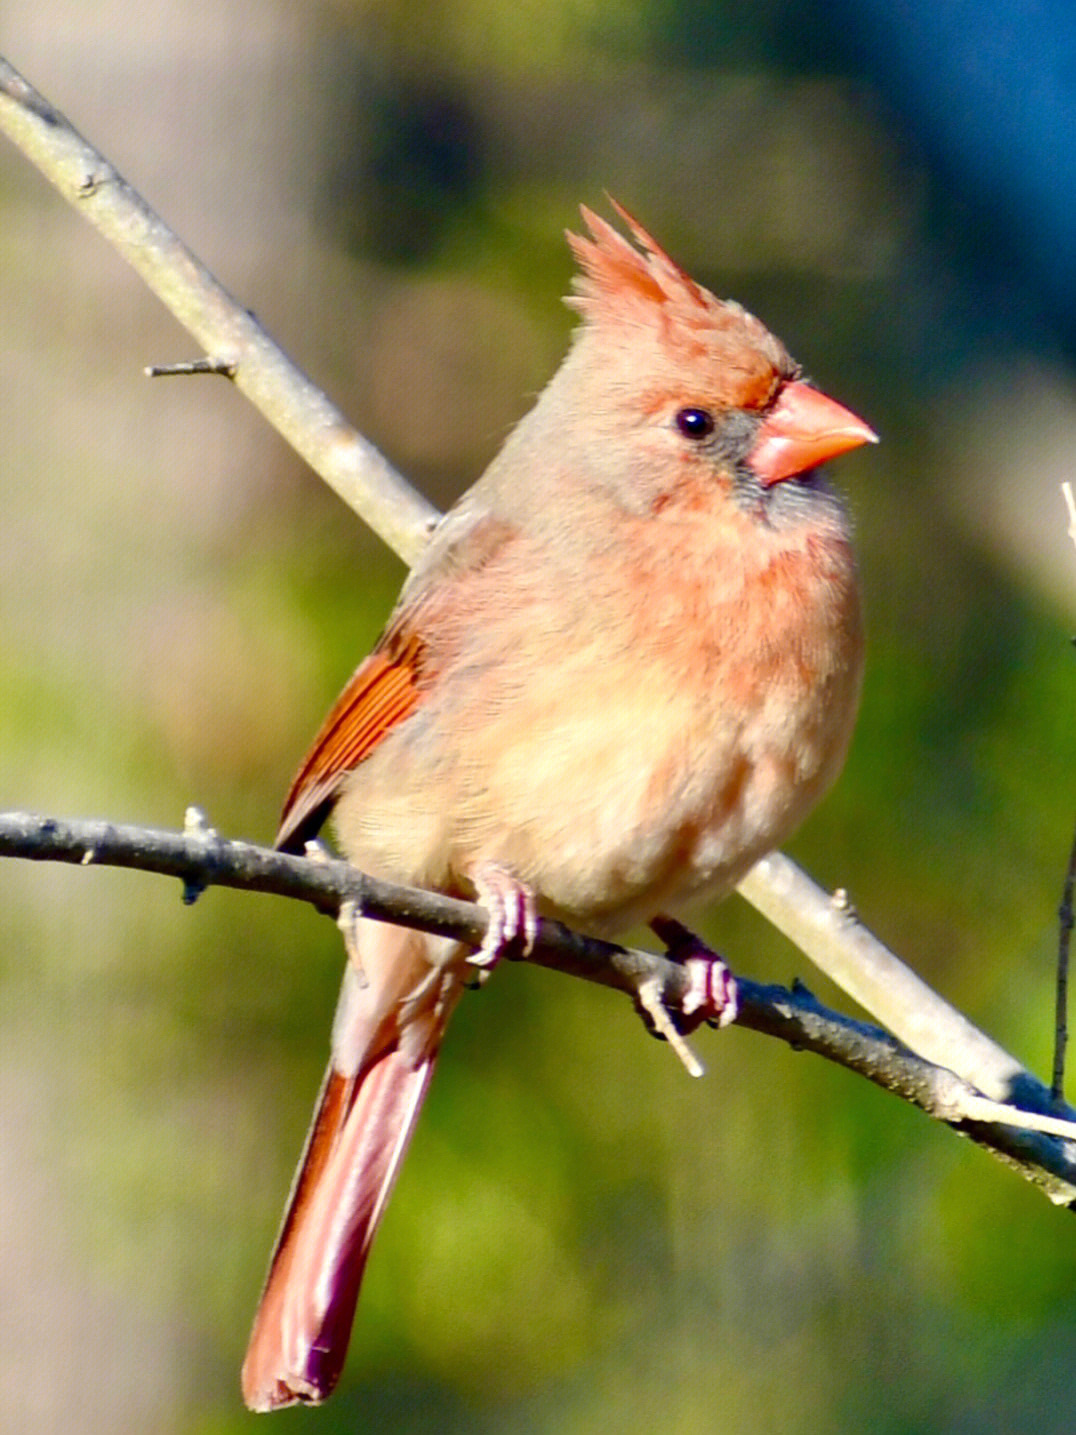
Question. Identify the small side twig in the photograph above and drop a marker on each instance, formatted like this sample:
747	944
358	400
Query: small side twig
649	995
227	368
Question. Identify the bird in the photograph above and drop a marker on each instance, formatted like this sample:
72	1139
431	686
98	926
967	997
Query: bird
624	669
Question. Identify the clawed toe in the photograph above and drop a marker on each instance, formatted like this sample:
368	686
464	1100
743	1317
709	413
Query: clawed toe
712	995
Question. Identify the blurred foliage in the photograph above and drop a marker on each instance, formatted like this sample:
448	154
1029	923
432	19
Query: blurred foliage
582	1238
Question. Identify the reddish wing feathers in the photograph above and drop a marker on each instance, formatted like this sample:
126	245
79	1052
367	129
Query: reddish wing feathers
383	691
389	684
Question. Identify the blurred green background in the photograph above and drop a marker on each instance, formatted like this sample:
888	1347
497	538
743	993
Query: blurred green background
583	1239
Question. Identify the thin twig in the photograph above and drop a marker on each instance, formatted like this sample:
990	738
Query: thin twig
1065	913
1061	1032
1070	504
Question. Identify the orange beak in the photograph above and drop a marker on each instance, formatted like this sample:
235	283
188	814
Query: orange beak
803	429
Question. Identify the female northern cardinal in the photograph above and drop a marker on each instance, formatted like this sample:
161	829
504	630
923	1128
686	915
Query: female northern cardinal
624	669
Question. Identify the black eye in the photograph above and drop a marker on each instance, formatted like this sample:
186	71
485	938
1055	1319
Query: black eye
695	423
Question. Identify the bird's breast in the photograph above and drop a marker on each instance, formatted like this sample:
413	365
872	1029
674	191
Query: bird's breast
705	712
632	749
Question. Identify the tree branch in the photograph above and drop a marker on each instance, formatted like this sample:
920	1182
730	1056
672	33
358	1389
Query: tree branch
1041	1148
827	931
230	335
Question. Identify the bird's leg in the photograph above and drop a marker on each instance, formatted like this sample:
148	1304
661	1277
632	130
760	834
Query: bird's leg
347	919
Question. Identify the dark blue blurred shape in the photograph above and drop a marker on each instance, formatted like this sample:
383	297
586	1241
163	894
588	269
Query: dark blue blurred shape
988	88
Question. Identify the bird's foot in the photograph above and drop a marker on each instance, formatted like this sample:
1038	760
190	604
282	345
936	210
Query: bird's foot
711	994
513	915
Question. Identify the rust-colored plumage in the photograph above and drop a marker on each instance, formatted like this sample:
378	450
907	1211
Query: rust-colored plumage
383	691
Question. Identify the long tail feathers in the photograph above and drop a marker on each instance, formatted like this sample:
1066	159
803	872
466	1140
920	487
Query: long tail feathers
358	1138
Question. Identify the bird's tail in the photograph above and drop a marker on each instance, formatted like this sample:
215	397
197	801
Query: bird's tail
359	1134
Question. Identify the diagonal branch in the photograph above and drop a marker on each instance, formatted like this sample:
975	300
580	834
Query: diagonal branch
231	336
1041	1148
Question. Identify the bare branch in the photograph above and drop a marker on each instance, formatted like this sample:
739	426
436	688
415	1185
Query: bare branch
829	932
199	858
231	336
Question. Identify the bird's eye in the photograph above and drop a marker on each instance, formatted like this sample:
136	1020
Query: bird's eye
695	423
